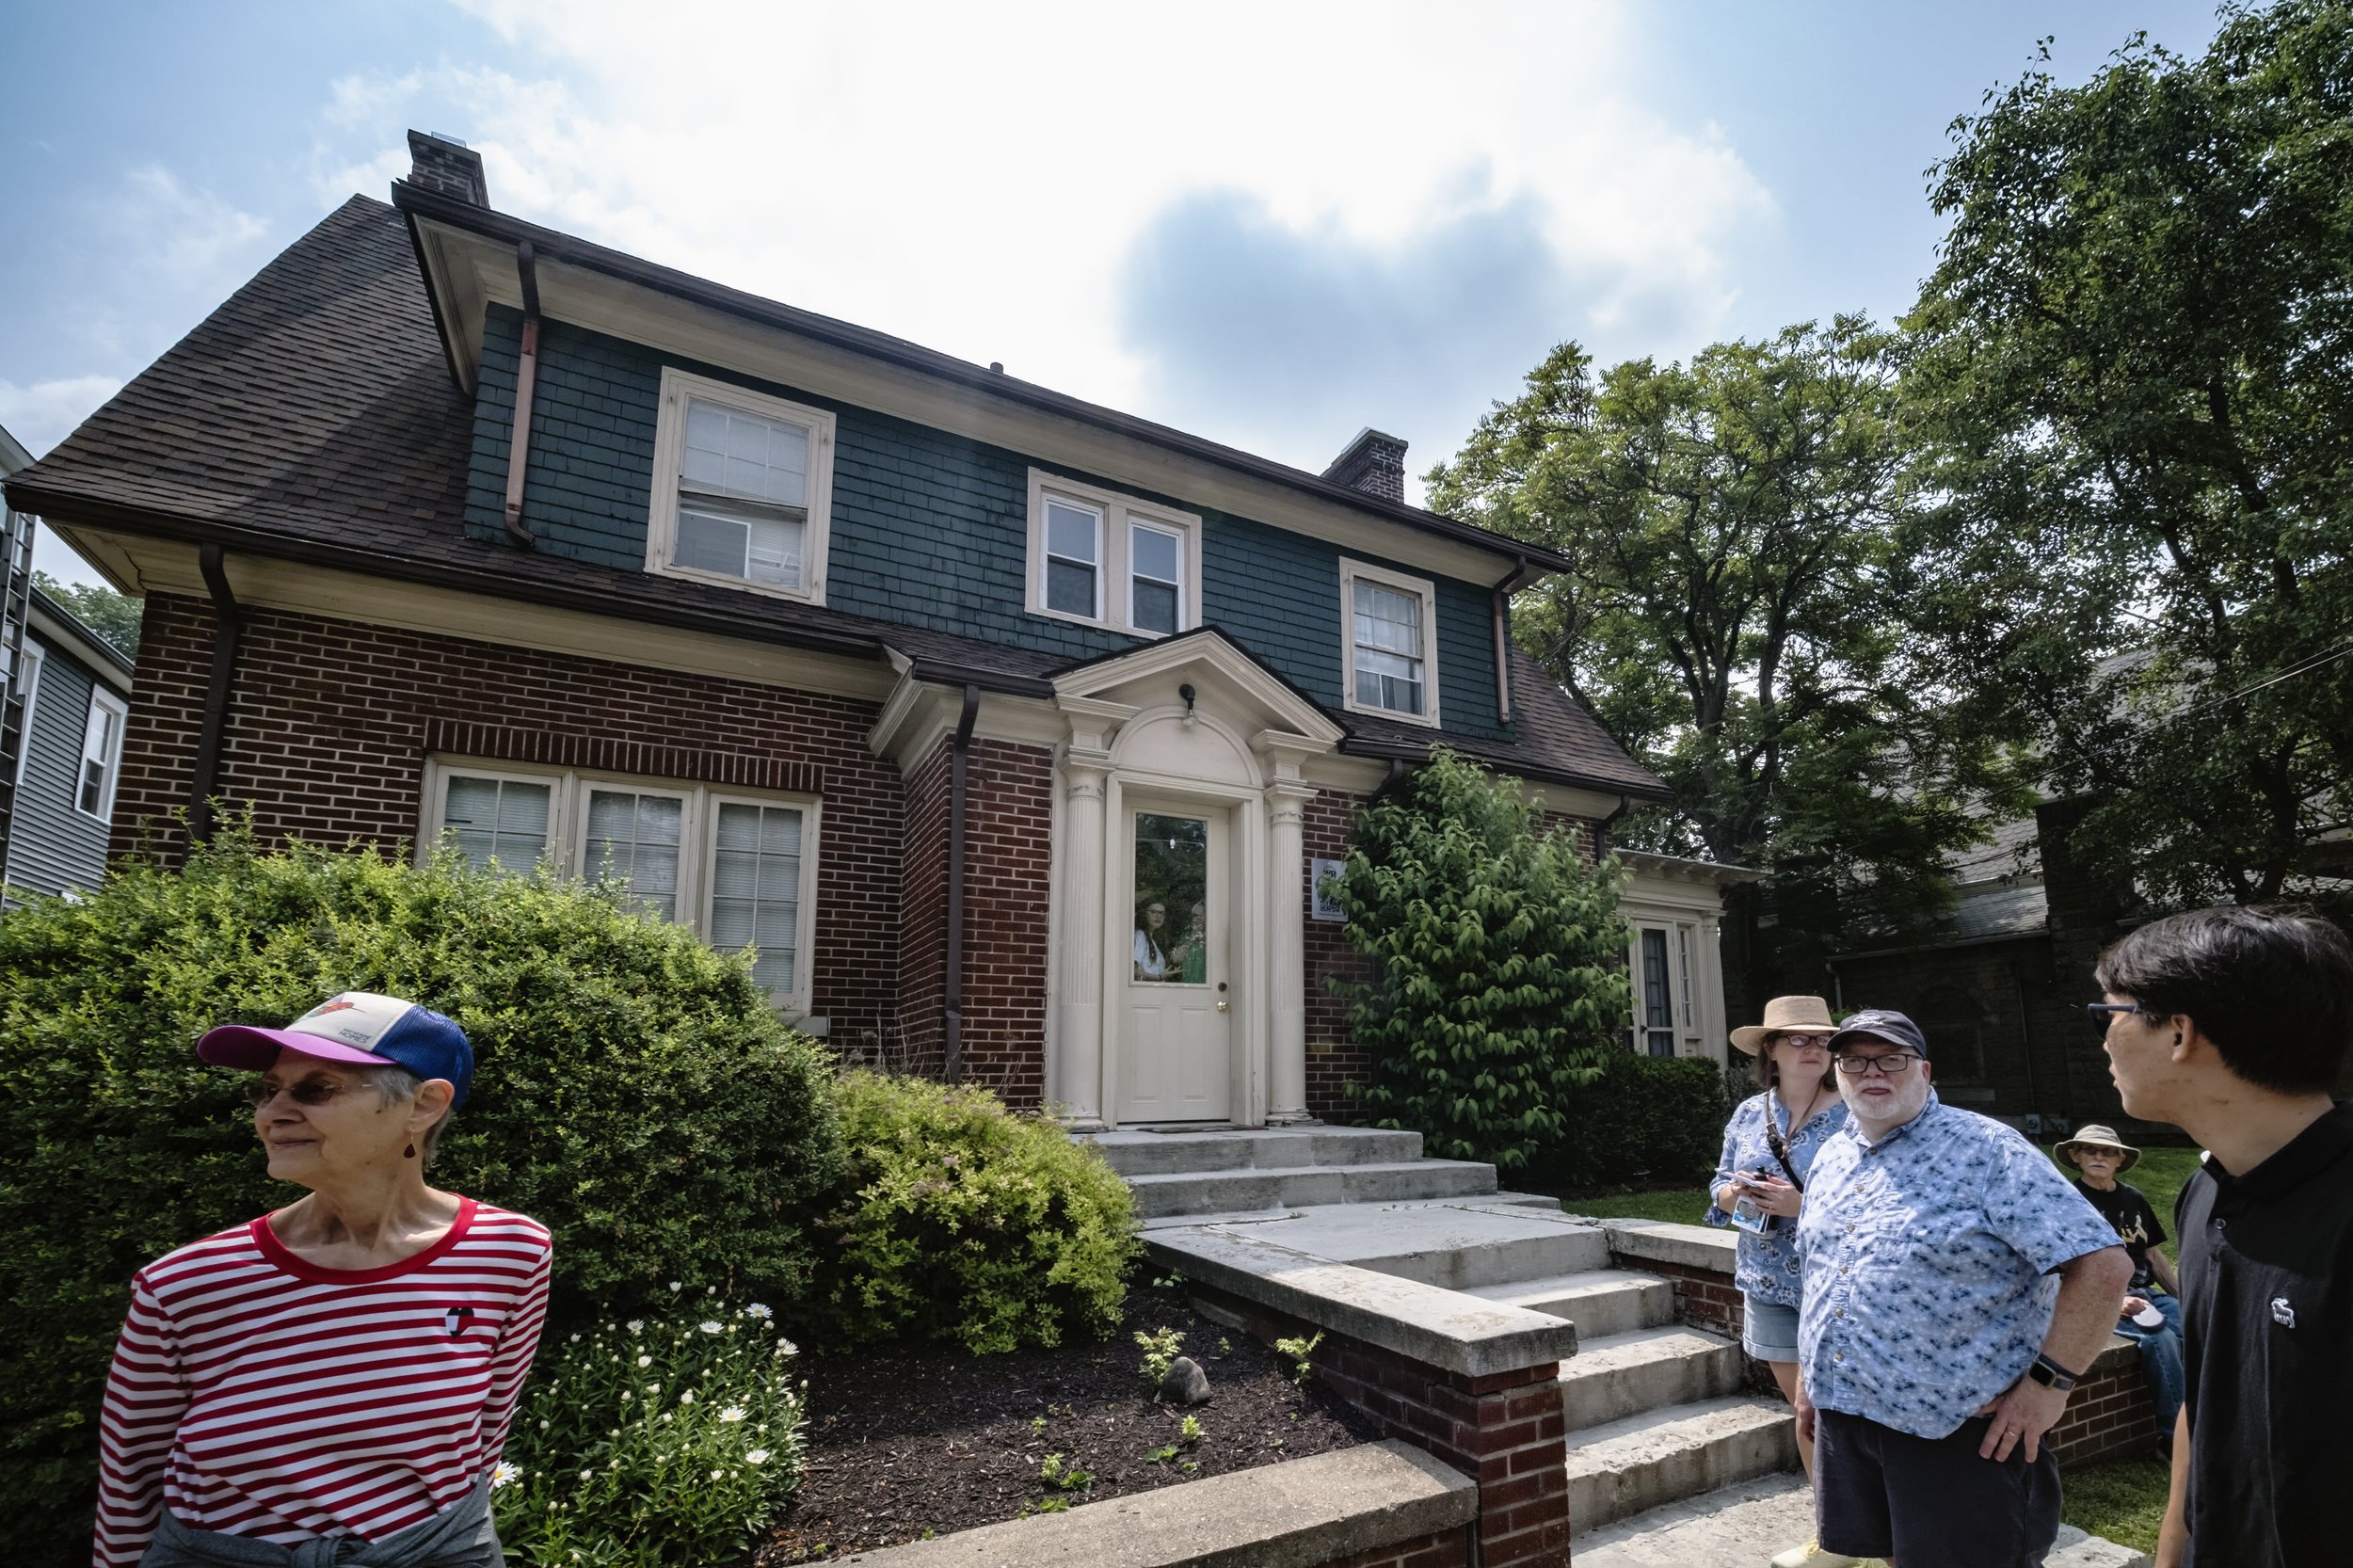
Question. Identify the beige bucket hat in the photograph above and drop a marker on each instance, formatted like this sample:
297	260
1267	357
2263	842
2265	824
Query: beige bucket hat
2098	1136
1786	1015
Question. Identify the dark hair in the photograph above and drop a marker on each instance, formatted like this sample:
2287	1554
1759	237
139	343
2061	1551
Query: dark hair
1767	1071
2271	986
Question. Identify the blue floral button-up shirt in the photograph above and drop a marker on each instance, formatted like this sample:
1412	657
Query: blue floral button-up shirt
1765	1267
1929	1259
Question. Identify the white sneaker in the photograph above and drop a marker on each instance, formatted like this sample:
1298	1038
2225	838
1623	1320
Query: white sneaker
1812	1556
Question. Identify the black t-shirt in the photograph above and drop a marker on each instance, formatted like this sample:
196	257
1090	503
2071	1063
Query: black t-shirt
2136	1222
2267	1301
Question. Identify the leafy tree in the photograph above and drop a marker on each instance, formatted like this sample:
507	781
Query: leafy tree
114	617
1738	618
1498	960
2132	378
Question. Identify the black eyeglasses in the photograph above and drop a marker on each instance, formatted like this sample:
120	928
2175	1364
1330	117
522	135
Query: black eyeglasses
311	1090
1895	1063
2102	1013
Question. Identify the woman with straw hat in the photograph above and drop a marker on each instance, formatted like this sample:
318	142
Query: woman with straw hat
1759	1184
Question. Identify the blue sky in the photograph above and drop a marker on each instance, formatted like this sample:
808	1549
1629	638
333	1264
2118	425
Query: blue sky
1271	225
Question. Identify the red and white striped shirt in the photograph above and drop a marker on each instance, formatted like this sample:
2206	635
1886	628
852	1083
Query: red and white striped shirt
258	1394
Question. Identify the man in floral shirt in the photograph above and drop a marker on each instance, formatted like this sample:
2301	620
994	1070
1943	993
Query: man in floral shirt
1956	1286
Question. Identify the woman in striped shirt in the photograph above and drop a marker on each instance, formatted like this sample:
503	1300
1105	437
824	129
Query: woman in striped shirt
345	1367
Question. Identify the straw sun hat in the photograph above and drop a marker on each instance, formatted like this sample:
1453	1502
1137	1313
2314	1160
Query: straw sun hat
1786	1015
2097	1136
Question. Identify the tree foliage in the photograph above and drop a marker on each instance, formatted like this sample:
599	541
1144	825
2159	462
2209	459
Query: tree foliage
114	617
2131	380
1498	958
1738	617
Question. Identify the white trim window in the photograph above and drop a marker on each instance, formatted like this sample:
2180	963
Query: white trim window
737	867
102	755
1391	665
1659	963
1110	560
28	673
743	490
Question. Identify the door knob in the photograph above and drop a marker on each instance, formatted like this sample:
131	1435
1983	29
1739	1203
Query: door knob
1222	1004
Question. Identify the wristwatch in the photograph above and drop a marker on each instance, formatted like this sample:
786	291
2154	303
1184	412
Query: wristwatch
2052	1375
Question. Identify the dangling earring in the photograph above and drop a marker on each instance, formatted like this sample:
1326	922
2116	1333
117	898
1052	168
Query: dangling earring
409	1153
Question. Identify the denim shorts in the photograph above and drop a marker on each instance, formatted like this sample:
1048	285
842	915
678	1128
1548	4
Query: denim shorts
1768	1331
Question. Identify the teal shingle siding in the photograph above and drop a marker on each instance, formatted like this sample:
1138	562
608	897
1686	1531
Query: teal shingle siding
929	529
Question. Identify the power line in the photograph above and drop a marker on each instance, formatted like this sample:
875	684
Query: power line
2309	665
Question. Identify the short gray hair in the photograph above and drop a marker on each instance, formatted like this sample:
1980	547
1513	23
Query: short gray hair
396	1085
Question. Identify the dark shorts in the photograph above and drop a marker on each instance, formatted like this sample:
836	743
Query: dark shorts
1931	1502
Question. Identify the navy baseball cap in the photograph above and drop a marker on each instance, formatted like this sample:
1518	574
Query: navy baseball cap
358	1027
1878	1023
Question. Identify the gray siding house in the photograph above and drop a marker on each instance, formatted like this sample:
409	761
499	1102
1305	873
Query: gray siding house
77	701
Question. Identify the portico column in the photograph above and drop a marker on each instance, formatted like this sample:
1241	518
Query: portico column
1079	996
1287	1039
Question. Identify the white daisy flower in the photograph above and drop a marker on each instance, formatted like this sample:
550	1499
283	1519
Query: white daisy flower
710	1327
733	1414
757	1310
637	1325
687	1398
676	1287
758	1456
644	1361
503	1474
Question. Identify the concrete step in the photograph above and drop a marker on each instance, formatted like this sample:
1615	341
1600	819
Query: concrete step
1627	1467
1600	1302
1145	1151
1646	1368
1457	1261
1244	1191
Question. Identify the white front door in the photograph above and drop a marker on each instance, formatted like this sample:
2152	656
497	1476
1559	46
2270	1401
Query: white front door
1176	1062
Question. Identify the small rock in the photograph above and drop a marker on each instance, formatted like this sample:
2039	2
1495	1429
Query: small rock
1185	1383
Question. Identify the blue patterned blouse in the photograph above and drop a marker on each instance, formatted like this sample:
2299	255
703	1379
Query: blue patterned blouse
1766	1266
1929	1259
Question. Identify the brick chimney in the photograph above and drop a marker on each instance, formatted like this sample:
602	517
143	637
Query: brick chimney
1374	463
448	165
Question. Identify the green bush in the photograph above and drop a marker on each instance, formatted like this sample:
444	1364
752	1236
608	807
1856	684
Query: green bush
1501	963
962	1221
669	1439
1647	1119
634	1092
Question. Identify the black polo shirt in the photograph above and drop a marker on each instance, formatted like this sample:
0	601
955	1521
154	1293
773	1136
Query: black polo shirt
2267	1301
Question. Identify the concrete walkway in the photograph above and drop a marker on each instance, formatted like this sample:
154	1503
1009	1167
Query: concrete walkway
1744	1526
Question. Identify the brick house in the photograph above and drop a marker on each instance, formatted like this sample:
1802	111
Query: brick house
1007	726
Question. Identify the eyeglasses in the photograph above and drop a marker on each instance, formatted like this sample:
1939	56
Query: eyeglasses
311	1090
1801	1041
2102	1013
1893	1064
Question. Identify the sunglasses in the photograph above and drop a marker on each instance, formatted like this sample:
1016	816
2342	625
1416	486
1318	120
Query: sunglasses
311	1090
2102	1013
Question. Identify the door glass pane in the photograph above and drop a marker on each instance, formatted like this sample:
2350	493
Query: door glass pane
634	838
1172	914
1657	1014
501	819
756	890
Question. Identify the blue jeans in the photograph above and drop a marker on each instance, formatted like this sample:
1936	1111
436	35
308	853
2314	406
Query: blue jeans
2160	1357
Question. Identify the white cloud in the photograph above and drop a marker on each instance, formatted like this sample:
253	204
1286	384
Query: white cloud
42	414
177	232
977	178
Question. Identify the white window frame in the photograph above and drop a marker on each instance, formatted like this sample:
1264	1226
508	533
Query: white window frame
1683	948
1115	587
669	460
699	837
1428	592
29	671
100	699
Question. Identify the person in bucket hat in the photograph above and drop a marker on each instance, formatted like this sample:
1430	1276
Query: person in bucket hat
345	1368
1957	1287
2152	1314
1759	1184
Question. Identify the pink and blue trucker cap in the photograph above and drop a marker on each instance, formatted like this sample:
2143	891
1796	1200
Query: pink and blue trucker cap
358	1027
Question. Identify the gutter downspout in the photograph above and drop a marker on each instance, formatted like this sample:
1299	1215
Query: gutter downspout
215	724
956	782
526	381
1503	591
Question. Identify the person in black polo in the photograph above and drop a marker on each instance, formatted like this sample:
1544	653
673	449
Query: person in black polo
2234	1024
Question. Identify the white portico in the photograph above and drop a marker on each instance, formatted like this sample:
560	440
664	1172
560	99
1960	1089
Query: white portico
1176	967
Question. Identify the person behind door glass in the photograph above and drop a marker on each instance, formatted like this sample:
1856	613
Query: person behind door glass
1153	961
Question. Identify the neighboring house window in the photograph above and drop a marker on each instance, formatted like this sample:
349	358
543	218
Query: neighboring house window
1658	1020
743	488
737	868
1112	560
28	677
102	755
1659	963
1392	646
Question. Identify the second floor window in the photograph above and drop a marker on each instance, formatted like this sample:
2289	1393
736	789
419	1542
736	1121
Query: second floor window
743	488
102	755
1112	560
1391	650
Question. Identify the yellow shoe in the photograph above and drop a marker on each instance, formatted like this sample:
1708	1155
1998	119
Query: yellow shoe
1812	1556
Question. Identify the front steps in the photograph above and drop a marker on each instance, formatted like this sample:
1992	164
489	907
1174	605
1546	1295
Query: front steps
1193	1173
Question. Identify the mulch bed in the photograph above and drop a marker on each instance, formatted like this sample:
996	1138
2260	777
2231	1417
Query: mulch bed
908	1443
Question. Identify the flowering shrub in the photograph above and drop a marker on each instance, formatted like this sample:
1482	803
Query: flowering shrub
962	1221
671	1439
